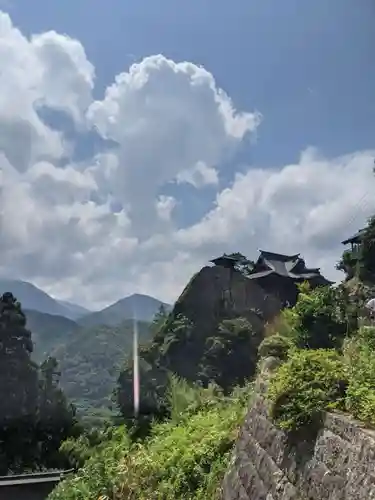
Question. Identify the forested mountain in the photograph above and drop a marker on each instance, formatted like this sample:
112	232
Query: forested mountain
49	332
91	359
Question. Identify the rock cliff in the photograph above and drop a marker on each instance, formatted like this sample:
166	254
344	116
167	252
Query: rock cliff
212	334
334	463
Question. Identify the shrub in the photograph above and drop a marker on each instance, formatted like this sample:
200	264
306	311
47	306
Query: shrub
99	474
320	321
285	324
276	346
187	399
308	383
359	354
182	458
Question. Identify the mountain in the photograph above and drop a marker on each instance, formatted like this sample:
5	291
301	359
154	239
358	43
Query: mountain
90	361
143	307
31	297
48	332
75	310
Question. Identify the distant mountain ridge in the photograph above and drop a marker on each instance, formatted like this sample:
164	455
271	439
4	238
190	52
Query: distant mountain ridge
32	298
141	307
75	309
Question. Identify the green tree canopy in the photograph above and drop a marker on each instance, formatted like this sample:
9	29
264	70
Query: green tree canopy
18	388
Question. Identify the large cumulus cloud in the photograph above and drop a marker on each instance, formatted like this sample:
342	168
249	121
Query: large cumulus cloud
95	230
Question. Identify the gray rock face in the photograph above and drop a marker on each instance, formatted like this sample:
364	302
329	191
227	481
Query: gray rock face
337	463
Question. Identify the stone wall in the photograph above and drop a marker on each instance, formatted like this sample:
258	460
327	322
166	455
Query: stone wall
337	463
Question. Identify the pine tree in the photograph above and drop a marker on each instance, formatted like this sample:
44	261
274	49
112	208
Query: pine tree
18	389
56	417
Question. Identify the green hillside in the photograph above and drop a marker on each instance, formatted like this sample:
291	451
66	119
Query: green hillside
49	331
90	362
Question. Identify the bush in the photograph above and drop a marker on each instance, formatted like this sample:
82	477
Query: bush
320	321
308	383
359	354
276	346
182	458
100	472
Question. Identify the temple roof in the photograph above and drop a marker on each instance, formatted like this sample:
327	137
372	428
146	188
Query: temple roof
356	238
288	266
278	256
223	258
268	263
234	258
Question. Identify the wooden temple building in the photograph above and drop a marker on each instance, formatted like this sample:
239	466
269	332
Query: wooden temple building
277	274
355	240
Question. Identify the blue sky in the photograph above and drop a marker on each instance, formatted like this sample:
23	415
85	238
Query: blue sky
308	63
306	66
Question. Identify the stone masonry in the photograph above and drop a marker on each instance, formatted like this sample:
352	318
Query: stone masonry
337	463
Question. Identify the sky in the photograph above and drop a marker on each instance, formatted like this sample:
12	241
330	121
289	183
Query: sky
139	140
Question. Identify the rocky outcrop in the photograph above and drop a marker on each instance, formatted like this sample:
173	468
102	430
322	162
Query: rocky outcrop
212	335
217	292
337	462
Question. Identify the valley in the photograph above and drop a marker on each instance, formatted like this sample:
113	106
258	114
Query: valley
90	347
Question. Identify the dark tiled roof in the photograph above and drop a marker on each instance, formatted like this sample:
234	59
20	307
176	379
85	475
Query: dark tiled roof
277	256
224	258
288	266
356	238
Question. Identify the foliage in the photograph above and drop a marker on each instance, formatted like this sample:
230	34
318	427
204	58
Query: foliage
276	346
159	320
230	354
186	399
18	389
309	382
359	355
78	450
56	417
100	472
319	320
348	263
367	252
34	415
182	458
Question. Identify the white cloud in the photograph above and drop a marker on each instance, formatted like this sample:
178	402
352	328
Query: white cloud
97	230
165	206
199	176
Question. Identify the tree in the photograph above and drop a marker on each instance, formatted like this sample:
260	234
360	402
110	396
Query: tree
34	414
159	320
18	388
320	321
367	252
56	417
